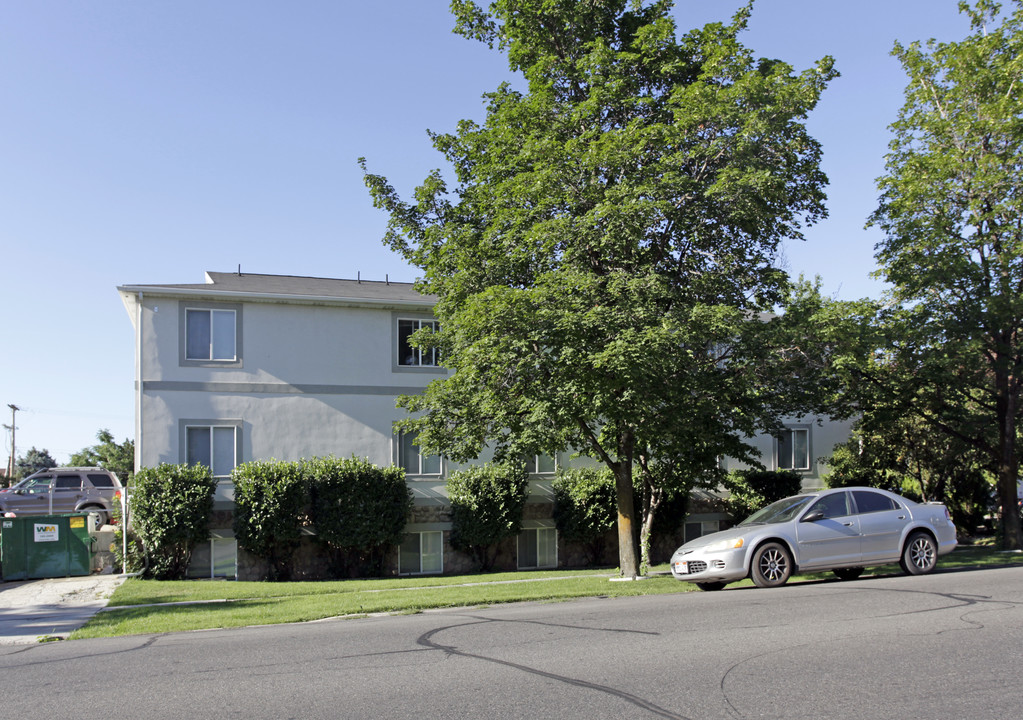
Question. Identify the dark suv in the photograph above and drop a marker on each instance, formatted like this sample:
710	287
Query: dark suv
62	490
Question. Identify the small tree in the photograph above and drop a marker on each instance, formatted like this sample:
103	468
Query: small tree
584	507
360	510
170	511
117	458
270	503
755	489
486	507
34	461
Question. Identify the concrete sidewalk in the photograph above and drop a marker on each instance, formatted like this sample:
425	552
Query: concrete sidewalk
35	609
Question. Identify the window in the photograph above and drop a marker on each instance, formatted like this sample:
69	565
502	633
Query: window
794	450
68	482
538	548
217	558
409	356
211	335
541	464
413	461
422	552
214	446
700	528
832	506
872	502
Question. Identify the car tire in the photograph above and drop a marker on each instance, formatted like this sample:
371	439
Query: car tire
771	566
847	573
711	586
920	554
104	516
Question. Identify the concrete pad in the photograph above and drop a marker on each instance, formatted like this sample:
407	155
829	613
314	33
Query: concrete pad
39	609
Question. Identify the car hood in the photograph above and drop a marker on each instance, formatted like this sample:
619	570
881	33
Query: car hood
705	540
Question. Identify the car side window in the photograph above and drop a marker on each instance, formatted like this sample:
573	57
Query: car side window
104	481
832	506
68	483
38	486
871	502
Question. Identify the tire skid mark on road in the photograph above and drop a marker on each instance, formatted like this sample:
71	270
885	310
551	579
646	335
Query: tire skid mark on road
40	646
426	640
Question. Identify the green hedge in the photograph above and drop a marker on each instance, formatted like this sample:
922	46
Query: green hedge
486	507
271	500
585	507
170	511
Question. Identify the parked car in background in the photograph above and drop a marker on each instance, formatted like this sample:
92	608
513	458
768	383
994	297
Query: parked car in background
63	490
843	530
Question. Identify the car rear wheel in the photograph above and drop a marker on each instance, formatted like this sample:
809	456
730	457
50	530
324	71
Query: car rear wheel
847	573
920	554
772	565
104	517
710	586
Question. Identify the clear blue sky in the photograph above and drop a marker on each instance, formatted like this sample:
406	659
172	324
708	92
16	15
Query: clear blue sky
148	142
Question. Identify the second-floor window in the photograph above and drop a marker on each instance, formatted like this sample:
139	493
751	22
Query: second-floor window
211	335
409	356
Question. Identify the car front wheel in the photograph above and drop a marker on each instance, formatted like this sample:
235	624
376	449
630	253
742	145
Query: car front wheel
772	565
920	554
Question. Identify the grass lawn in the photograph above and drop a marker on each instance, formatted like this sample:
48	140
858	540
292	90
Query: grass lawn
150	606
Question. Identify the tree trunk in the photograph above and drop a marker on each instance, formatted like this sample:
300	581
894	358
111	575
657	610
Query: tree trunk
627	557
1008	461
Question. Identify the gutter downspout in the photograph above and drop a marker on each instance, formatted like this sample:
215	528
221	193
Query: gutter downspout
138	431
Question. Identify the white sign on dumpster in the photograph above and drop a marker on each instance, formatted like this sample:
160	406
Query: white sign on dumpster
45	532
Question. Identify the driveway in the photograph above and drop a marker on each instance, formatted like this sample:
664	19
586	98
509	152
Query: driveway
42	609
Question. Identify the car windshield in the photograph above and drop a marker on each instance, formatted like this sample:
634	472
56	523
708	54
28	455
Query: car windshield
779	512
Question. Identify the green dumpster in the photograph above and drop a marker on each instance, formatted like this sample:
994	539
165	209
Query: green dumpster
44	546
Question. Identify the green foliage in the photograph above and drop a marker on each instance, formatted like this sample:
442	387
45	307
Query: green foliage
602	264
584	507
359	511
270	503
34	461
118	458
486	507
169	513
951	209
752	490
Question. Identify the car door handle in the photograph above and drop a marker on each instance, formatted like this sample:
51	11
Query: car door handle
848	524
902	517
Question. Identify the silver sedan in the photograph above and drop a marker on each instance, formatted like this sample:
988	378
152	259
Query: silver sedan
843	530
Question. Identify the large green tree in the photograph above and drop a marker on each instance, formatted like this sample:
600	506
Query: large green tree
119	458
603	259
952	212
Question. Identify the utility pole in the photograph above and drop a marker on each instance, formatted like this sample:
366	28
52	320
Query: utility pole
12	427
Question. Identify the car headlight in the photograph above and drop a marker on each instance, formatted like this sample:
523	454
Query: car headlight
730	544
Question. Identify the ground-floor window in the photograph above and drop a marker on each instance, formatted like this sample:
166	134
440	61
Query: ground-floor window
699	528
538	548
217	558
421	553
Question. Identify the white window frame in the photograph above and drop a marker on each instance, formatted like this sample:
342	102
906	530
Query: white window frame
792	460
219	316
420	465
706	528
216	463
549	545
533	464
418	358
435	550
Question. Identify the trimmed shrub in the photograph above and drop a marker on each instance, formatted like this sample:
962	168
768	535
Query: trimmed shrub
585	507
752	490
359	510
170	512
270	499
486	507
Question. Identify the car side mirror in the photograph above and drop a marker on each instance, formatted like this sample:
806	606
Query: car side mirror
814	516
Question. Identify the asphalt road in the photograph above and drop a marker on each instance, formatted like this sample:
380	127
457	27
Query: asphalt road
948	645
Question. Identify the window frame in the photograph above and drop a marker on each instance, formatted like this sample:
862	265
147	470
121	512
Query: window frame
537	546
420	553
184	309
420	319
533	464
185	425
791	431
402	454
